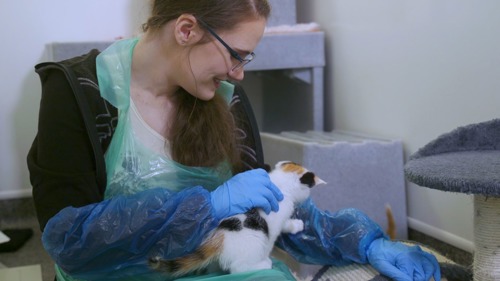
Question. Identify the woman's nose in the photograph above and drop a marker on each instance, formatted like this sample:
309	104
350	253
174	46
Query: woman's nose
237	74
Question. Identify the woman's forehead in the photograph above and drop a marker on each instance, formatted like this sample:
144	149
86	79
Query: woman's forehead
245	36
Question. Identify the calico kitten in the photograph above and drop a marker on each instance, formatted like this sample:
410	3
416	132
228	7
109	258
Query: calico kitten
244	242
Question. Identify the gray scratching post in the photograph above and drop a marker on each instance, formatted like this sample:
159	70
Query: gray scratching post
467	160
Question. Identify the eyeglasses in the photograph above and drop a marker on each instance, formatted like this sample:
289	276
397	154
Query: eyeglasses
241	61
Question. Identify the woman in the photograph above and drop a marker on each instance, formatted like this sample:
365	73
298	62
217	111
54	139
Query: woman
157	174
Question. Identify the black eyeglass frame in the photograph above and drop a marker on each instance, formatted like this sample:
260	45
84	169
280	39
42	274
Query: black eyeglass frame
233	53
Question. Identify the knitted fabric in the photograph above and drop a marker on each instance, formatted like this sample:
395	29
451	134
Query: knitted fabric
465	160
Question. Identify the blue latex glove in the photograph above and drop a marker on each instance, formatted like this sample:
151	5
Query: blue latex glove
401	262
244	191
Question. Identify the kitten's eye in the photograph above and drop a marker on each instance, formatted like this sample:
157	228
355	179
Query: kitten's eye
308	179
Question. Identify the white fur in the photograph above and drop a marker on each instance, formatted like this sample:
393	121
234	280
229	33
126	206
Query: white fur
249	249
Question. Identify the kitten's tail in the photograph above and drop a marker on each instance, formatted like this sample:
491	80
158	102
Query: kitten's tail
391	222
201	258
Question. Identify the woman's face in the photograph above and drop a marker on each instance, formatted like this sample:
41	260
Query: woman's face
211	62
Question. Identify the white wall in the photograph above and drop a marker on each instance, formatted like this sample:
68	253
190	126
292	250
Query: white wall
412	70
26	26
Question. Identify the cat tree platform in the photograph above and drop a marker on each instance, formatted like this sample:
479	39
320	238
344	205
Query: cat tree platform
467	160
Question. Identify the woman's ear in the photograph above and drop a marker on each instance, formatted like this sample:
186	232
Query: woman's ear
187	30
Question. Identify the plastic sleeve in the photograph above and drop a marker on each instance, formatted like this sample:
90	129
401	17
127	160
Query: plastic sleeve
330	238
116	237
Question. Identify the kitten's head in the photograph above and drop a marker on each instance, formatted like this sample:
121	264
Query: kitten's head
294	180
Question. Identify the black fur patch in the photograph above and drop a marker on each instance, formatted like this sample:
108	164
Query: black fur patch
308	179
256	222
455	272
231	224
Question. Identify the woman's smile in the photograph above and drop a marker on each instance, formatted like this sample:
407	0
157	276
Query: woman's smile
217	83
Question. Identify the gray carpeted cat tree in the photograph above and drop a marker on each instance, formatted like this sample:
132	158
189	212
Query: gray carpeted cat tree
467	160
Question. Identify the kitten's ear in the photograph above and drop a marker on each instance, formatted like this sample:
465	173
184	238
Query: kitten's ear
319	181
282	163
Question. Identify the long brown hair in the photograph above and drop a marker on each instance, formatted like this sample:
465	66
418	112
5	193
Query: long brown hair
203	132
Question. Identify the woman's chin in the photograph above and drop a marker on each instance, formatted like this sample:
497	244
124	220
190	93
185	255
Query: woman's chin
207	95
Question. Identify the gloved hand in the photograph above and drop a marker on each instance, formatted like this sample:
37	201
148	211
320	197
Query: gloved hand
245	191
401	262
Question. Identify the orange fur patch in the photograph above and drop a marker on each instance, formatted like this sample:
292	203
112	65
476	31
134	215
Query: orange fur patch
209	249
293	167
391	222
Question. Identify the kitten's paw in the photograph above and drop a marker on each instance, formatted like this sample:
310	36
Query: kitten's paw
299	226
296	226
